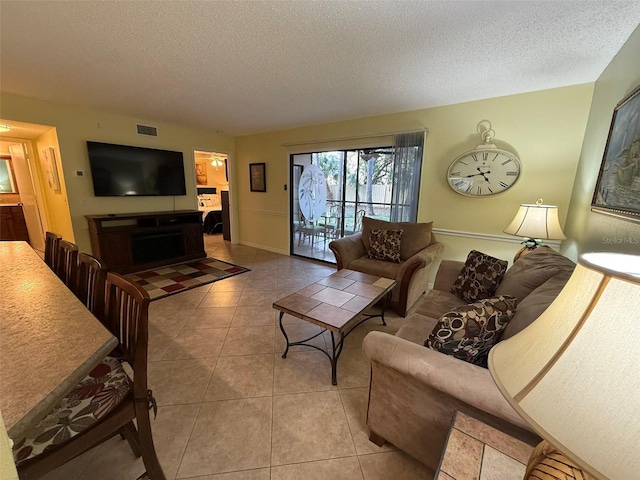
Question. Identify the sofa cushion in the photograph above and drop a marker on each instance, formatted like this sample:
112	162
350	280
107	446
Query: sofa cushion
436	302
531	271
469	332
385	245
535	303
479	277
416	328
375	267
416	236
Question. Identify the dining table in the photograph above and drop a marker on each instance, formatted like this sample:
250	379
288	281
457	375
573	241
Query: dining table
49	340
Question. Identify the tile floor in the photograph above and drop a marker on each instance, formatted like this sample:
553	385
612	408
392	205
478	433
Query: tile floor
230	408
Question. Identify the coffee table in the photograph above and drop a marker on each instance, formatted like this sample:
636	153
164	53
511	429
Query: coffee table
336	303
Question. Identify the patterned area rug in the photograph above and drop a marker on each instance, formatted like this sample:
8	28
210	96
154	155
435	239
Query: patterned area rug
164	281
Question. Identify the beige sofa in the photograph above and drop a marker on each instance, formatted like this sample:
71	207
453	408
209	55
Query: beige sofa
418	251
415	390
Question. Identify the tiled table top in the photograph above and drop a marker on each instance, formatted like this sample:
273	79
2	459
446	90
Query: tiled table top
477	451
337	299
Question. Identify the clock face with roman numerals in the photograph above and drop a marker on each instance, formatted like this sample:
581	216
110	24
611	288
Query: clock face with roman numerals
483	172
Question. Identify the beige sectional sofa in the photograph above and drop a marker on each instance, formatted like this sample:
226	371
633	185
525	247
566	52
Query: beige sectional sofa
418	252
415	390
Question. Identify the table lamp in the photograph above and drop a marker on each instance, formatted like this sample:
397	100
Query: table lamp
574	373
535	222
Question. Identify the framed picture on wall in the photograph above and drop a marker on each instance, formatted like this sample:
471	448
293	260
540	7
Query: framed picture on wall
201	173
51	168
617	190
257	177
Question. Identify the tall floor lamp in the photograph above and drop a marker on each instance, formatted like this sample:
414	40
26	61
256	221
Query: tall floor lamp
574	373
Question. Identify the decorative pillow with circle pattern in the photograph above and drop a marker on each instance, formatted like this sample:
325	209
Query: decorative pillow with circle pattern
479	277
385	245
468	332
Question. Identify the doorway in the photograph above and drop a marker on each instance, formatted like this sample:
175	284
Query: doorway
212	185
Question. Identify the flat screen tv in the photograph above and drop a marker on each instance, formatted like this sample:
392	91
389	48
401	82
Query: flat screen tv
121	171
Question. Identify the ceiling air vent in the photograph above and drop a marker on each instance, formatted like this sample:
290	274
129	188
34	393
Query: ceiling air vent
147	130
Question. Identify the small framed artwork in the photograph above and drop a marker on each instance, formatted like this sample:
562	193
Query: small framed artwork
51	168
618	187
257	177
201	173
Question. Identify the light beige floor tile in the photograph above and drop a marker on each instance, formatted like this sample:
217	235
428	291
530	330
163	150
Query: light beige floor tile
164	319
251	298
309	426
249	341
301	371
259	474
393	324
241	377
353	369
159	342
220	299
229	435
171	430
181	381
355	402
392	466
254	316
346	468
266	283
295	283
214	317
200	343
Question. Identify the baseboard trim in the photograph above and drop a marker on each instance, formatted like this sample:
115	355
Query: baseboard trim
263	247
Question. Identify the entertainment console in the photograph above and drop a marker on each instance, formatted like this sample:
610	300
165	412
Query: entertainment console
132	242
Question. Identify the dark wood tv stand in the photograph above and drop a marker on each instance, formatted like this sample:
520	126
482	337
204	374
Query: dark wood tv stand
131	242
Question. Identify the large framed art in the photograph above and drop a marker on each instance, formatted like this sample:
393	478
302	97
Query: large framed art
618	187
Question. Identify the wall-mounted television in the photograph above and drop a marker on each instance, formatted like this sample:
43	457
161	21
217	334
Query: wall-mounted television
121	171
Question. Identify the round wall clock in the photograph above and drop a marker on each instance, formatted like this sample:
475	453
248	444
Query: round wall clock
486	170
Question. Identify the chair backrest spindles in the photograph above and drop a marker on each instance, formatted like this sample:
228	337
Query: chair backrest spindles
126	316
51	242
66	262
90	284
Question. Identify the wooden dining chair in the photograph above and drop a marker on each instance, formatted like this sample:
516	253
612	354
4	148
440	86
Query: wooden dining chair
51	248
106	402
66	262
90	284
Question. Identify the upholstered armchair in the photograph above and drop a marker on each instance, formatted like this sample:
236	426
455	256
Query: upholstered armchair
418	251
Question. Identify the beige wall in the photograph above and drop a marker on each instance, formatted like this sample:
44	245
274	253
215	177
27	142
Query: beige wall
56	202
544	128
75	126
590	231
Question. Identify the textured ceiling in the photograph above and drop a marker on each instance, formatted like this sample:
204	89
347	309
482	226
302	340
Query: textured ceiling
244	67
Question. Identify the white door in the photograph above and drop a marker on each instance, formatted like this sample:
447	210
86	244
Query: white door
28	197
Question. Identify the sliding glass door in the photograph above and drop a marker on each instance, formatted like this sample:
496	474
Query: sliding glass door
354	182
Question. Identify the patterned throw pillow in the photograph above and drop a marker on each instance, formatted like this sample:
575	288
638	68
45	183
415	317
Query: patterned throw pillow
385	245
469	332
479	277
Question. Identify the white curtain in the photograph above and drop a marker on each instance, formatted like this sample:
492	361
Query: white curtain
406	176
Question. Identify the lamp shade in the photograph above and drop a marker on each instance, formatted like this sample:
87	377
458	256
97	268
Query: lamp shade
574	373
536	221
